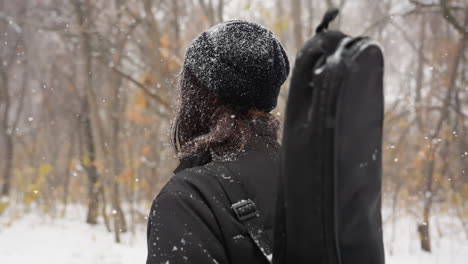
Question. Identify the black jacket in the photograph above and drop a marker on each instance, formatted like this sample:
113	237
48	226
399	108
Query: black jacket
191	220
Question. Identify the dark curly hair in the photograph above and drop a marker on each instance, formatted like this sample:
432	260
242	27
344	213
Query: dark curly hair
206	127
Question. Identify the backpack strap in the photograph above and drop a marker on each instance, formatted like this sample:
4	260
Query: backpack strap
243	208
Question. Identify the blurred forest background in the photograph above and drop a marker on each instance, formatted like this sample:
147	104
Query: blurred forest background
87	89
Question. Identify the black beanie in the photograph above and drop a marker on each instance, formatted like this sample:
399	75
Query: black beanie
240	62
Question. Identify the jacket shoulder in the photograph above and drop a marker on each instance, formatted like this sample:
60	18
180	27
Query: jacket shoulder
196	181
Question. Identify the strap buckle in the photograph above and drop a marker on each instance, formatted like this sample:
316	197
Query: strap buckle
245	209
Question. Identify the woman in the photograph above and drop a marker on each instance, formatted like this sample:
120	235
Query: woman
226	141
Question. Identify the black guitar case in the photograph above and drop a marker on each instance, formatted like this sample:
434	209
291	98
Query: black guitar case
329	209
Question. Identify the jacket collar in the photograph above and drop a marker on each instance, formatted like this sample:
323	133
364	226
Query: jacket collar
258	143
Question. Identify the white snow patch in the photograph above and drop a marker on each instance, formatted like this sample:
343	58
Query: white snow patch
449	243
41	240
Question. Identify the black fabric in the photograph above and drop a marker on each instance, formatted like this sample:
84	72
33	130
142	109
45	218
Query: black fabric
191	220
329	16
244	208
358	155
241	62
329	209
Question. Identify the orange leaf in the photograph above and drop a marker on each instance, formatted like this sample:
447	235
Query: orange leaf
145	151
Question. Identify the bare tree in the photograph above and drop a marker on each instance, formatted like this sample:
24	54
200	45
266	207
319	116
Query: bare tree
296	14
11	110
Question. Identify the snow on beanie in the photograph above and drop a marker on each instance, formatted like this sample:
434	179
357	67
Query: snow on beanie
240	62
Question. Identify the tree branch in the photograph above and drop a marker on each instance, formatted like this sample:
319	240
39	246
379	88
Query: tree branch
446	11
142	87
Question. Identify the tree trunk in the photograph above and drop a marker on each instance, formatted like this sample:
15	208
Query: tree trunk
176	26
9	152
82	10
423	230
220	13
208	10
296	13
66	182
103	208
395	196
93	178
420	74
120	224
424	227
6	133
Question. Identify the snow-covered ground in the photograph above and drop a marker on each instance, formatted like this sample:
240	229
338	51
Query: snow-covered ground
38	239
42	240
449	242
